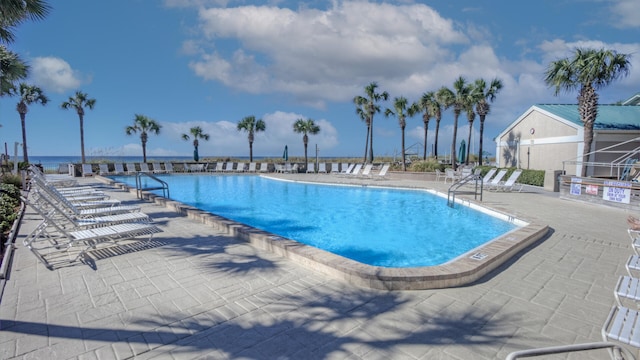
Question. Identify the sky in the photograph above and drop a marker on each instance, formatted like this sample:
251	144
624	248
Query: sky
211	63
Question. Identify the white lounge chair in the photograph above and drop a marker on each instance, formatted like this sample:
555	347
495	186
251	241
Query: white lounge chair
346	168
131	168
264	167
439	175
104	169
87	170
322	168
168	167
144	167
366	171
311	167
356	170
119	168
156	168
450	174
335	168
511	183
228	167
252	167
287	168
493	183
383	172
487	177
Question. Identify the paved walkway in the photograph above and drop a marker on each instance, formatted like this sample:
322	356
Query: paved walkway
195	292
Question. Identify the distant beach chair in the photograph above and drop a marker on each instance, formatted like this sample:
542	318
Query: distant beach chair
366	171
511	183
144	167
264	167
356	170
228	167
104	169
335	168
383	172
311	167
156	168
252	167
488	175
346	168
119	168
493	183
87	170
131	168
450	174
322	168
168	167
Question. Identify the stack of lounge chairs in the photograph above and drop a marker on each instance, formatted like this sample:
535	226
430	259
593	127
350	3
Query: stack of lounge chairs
79	217
622	325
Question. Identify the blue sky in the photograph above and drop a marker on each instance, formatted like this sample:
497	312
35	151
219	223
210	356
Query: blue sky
210	63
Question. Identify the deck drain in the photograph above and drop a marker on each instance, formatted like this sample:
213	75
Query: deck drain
478	256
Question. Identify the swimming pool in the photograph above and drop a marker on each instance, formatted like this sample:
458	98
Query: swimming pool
473	261
375	226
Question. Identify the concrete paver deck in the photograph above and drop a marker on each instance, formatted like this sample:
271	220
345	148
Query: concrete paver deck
196	292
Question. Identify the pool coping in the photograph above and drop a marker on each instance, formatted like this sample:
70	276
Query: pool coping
463	270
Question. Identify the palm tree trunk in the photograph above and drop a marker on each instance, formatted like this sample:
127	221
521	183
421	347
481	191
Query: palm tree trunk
24	137
250	151
454	161
435	146
366	145
426	131
371	140
588	140
82	137
480	152
144	151
469	143
404	162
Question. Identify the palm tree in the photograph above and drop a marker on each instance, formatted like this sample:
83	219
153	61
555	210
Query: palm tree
251	126
427	105
370	107
362	114
302	126
144	125
197	133
79	102
458	100
14	12
483	95
589	70
471	116
400	106
436	109
12	69
28	95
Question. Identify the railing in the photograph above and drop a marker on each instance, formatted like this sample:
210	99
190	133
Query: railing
455	188
139	189
621	165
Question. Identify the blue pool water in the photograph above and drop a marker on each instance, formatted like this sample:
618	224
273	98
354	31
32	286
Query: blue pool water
375	226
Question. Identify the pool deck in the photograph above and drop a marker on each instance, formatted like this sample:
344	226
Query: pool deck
198	292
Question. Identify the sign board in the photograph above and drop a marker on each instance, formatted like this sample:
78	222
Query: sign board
576	186
617	191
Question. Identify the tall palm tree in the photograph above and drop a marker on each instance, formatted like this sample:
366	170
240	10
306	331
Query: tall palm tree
197	133
28	95
399	111
302	126
15	12
362	114
471	116
483	95
589	70
458	99
251	126
79	102
427	107
436	109
369	104
144	125
12	70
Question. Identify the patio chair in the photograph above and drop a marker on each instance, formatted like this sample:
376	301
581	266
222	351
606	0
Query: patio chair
493	183
633	264
156	168
104	169
311	167
488	175
252	167
119	168
335	168
383	172
228	167
627	287
168	167
144	167
511	183
366	171
264	167
439	175
622	325
131	168
450	174
322	168
346	168
87	170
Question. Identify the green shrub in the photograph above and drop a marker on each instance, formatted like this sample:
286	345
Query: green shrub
428	165
9	202
12	179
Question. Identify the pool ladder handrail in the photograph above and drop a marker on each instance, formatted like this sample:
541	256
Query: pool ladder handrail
454	188
139	189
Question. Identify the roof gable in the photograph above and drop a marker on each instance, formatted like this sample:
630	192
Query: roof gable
609	116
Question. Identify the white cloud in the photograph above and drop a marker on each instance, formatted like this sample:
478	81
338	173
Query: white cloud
54	74
627	13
